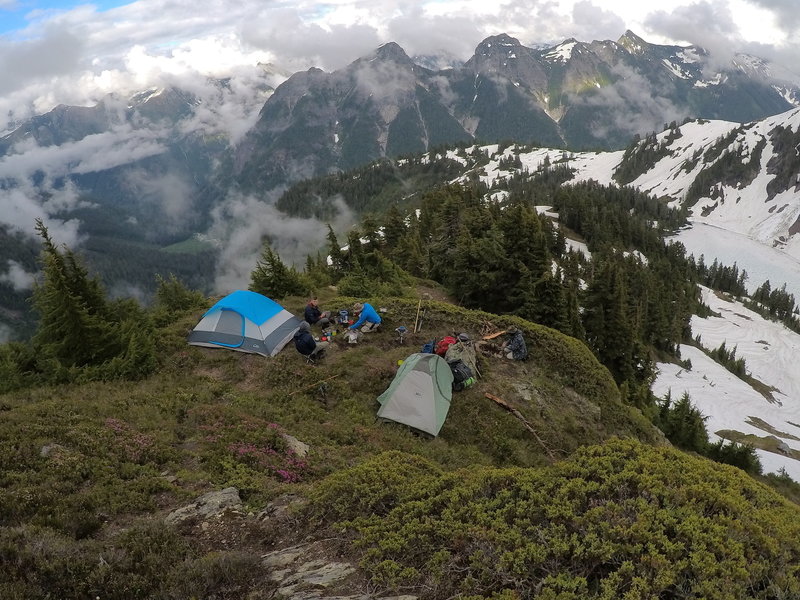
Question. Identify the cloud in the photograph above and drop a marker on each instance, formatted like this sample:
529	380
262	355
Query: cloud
5	333
131	68
18	277
421	33
443	89
389	84
637	106
299	44
96	152
56	52
169	195
122	289
787	17
595	23
709	25
242	223
22	206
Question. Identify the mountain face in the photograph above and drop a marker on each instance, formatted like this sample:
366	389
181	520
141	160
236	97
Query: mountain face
155	157
379	105
575	94
157	167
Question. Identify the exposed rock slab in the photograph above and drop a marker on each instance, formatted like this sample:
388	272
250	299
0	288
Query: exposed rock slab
207	505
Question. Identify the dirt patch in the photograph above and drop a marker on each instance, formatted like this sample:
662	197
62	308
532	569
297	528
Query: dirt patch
209	372
435	293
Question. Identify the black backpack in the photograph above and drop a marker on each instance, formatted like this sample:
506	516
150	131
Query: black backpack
462	375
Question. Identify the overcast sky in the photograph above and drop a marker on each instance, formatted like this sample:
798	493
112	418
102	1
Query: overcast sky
60	51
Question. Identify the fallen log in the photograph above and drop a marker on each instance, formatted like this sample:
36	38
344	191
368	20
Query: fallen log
522	419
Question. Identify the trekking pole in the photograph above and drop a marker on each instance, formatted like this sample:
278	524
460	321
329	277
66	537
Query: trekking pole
422	316
417	317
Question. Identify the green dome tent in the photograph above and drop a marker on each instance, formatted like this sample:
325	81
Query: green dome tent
420	394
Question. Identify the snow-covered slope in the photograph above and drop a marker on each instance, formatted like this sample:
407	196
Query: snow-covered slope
756	197
770	352
739	205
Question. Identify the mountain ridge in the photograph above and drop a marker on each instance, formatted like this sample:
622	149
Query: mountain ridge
572	94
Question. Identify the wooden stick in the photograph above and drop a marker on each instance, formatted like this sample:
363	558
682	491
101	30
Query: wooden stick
524	421
417	317
491	336
313	384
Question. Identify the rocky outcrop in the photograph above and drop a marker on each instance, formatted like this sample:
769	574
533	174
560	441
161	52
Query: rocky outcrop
302	573
207	505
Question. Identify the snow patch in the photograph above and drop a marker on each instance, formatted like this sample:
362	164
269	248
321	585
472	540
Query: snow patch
561	53
770	351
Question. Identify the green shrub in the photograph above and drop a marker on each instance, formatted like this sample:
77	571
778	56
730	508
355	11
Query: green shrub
41	563
621	520
241	449
375	487
173	299
215	575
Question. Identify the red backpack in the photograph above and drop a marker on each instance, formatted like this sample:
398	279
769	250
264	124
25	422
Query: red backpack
443	344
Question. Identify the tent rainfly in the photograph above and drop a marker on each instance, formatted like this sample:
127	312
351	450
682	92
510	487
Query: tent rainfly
247	322
420	394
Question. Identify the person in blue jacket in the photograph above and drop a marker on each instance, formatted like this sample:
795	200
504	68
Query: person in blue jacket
367	316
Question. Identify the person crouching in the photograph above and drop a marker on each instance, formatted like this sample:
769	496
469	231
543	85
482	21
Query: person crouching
305	343
514	347
367	316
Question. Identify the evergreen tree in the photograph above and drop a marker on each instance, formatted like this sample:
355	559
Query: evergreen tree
394	229
574	324
683	424
551	309
317	271
355	249
81	335
607	324
476	276
274	279
373	239
73	327
520	226
410	256
336	255
522	296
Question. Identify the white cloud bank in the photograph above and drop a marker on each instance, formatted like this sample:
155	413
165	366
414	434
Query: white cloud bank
77	56
19	279
242	223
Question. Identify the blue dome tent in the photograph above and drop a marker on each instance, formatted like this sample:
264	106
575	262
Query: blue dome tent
247	322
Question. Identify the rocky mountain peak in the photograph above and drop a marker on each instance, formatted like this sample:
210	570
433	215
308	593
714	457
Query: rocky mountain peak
633	43
497	43
391	51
